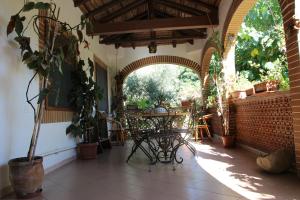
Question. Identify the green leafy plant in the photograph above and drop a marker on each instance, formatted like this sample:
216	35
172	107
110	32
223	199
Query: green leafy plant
84	97
241	83
48	60
221	84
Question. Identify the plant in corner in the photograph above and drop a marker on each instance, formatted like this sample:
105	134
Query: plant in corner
84	97
26	173
223	87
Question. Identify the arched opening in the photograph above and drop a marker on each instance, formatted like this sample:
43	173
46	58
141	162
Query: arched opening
161	84
165	59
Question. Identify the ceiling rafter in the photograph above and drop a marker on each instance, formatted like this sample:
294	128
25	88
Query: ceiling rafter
181	7
102	8
130	40
167	15
78	3
122	10
176	23
205	7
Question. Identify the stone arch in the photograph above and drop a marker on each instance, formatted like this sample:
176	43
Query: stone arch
158	60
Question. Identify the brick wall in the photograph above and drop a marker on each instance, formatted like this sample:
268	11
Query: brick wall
263	121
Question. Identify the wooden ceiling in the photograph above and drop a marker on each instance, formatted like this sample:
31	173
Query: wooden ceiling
132	23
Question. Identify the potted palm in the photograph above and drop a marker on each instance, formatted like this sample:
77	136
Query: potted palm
84	97
27	173
223	88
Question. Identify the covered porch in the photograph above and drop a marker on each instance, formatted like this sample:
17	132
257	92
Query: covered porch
129	35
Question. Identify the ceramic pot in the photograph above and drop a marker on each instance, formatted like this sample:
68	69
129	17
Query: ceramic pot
87	151
26	177
228	141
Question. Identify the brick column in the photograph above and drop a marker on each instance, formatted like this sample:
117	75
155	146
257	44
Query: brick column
291	37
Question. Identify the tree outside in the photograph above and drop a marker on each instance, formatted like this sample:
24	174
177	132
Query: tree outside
260	51
163	83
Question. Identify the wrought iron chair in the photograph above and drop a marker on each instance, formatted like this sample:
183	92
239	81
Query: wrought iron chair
140	130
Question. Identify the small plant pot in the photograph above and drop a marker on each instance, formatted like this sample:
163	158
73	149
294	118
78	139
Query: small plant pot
267	86
87	151
250	91
26	177
228	141
238	94
272	85
260	87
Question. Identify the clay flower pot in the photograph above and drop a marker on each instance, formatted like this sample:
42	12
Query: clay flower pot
272	85
26	177
87	151
228	141
250	91
267	86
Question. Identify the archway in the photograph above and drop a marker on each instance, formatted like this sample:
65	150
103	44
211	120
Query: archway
162	59
232	25
208	51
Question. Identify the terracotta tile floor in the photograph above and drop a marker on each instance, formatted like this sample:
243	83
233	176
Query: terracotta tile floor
213	174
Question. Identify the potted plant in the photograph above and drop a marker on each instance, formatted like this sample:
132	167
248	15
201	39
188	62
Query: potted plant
27	173
223	88
84	97
272	78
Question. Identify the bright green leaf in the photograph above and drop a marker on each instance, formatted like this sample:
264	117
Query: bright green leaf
254	52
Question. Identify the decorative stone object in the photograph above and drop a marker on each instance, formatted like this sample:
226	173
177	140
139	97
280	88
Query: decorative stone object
276	162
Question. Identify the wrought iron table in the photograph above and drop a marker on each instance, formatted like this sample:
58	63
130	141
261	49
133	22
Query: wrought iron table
159	136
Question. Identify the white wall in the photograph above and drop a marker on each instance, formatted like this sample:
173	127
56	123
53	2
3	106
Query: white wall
16	117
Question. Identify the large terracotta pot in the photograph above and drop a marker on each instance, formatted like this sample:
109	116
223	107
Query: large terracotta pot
228	141
267	86
87	151
26	177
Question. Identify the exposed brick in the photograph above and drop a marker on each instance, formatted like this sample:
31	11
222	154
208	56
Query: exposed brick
159	60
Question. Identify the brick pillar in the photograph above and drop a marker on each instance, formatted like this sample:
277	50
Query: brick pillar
292	45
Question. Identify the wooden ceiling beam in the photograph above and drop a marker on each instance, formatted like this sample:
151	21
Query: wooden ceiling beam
122	10
205	6
137	26
138	16
78	3
171	39
143	44
181	7
102	8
